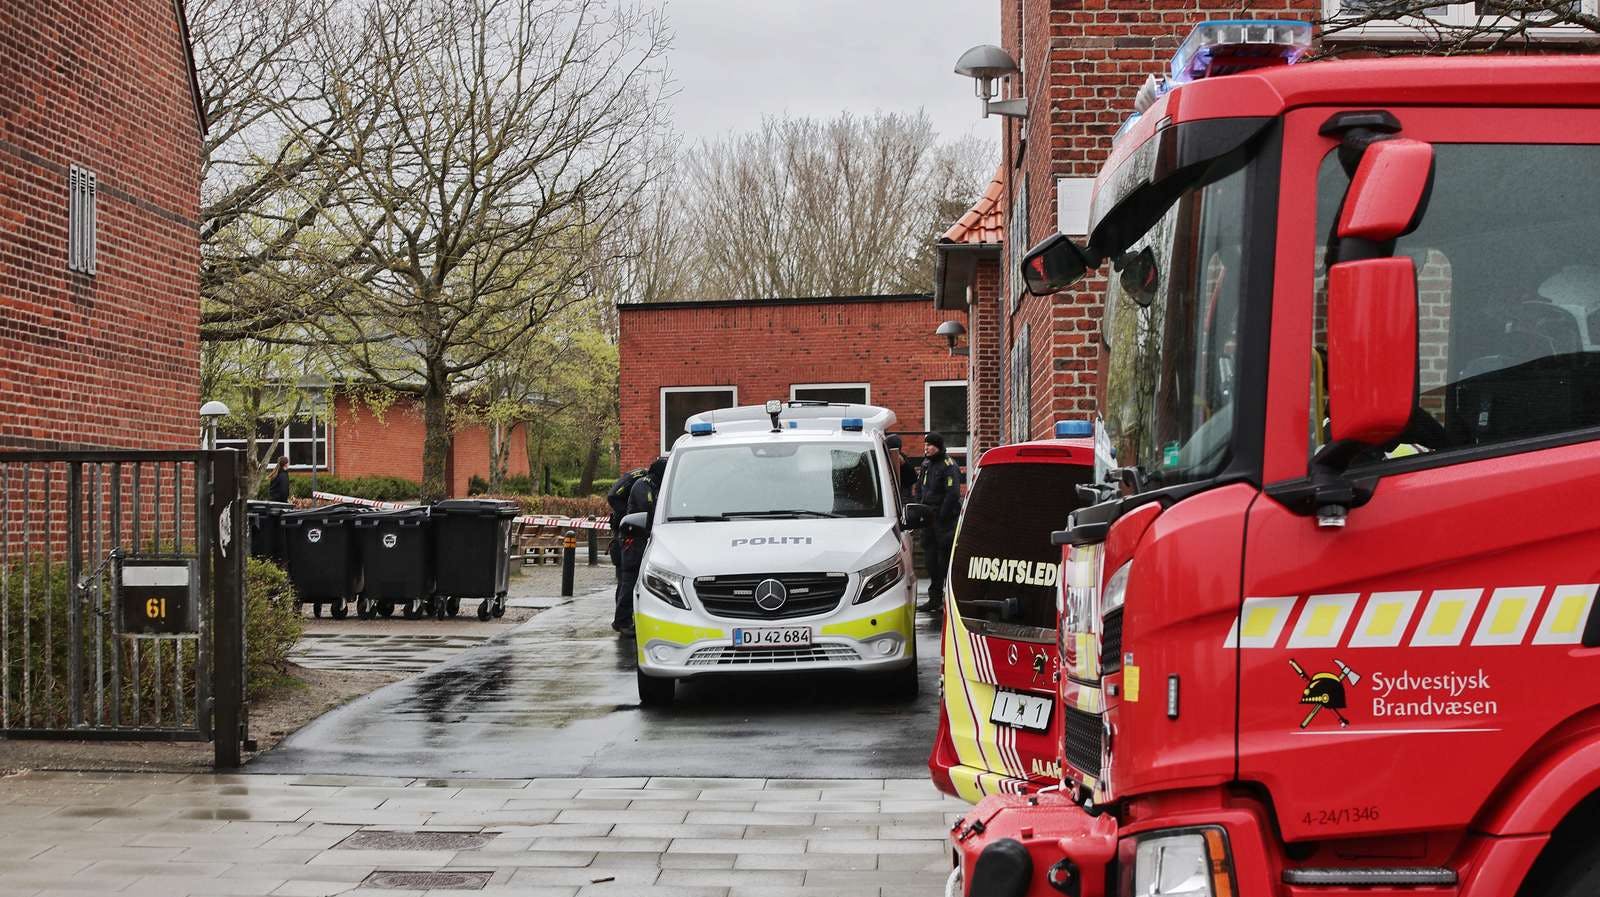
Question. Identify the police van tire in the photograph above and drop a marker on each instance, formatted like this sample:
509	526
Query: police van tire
655	691
903	684
1580	878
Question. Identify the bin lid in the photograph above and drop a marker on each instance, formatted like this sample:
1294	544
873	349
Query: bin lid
258	506
326	512
475	507
378	518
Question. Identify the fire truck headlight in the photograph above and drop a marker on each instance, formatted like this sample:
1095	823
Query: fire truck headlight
1186	863
1116	590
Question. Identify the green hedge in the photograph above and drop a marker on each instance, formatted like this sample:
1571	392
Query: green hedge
377	488
272	625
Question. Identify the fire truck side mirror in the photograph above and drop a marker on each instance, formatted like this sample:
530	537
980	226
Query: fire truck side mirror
1389	193
1055	264
1372	349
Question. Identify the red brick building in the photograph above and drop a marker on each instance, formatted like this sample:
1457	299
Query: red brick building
1034	359
100	130
678	358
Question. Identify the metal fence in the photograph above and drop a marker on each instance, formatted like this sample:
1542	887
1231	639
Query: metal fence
121	611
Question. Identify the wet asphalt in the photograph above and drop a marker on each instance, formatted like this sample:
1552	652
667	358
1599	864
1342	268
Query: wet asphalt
556	697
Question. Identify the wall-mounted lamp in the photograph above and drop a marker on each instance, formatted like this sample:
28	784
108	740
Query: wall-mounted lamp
952	331
985	64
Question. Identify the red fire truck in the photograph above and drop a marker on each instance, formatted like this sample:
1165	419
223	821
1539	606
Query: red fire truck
999	727
1337	587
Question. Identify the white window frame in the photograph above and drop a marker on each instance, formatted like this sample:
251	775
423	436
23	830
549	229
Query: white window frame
1456	15
1018	231
284	441
865	387
665	444
927	412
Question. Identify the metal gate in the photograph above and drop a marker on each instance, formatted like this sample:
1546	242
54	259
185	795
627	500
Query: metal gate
121	597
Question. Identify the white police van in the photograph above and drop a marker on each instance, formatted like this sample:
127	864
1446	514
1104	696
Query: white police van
778	545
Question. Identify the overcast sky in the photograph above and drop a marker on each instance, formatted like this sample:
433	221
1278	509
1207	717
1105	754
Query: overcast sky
735	61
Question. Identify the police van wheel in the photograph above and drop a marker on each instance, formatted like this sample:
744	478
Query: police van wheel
483	610
340	610
655	692
902	685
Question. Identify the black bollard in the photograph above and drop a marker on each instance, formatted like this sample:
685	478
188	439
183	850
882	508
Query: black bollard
569	560
594	546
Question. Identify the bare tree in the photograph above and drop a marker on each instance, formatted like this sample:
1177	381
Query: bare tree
802	207
1453	28
491	145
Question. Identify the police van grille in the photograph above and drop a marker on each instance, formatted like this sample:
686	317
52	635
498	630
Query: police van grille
1111	643
1083	734
734	596
727	656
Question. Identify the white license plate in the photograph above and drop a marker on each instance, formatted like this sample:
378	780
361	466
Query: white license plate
1022	711
785	637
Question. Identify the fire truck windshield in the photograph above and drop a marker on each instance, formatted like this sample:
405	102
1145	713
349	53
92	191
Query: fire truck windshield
1171	328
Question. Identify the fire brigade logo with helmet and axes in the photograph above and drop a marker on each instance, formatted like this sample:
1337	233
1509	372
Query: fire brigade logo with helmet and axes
1325	691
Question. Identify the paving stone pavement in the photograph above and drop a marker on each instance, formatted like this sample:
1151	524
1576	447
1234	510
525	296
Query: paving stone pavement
384	653
290	836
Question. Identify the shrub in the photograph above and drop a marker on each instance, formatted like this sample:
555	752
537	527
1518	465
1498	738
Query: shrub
559	505
376	487
272	625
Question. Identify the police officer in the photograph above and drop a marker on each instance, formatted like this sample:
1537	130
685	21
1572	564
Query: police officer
642	497
906	473
938	487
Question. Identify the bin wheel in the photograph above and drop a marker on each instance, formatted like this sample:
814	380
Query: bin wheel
483	610
316	608
453	607
413	608
364	608
340	609
386	609
439	608
499	606
655	692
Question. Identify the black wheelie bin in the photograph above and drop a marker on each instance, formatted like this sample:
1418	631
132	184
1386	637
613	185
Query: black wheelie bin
324	565
396	562
266	531
472	553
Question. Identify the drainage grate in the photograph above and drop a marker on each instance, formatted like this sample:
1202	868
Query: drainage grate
377	840
425	881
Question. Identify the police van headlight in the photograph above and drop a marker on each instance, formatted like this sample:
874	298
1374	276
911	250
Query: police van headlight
666	585
879	578
1186	863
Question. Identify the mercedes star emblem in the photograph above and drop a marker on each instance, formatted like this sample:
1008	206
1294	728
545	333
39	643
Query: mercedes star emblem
770	595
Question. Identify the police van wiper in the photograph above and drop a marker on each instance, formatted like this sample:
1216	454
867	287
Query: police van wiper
788	512
697	518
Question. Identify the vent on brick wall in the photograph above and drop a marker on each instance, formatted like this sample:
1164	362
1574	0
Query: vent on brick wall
81	185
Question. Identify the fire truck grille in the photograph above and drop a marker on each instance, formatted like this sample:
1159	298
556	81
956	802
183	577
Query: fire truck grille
738	657
734	597
1111	643
1083	734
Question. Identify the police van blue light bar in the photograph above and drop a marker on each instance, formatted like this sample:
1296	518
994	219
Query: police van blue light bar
1235	45
853	424
1073	429
702	429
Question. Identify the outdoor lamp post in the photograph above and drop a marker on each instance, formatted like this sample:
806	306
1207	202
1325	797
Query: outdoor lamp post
986	64
316	386
212	412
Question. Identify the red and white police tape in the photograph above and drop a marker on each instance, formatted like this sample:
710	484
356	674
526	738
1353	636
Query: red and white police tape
598	523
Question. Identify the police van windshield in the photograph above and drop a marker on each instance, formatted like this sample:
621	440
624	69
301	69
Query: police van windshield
1004	568
775	480
1171	326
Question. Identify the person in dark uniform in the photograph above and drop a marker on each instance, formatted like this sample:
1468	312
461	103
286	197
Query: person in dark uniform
617	500
938	487
642	497
278	489
906	473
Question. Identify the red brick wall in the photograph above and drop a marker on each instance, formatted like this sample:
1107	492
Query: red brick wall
109	360
764	346
366	443
984	360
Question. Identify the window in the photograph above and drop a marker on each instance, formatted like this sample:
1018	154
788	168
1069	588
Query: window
304	440
1508	289
944	411
679	403
775	480
81	187
1017	231
1438	21
1021	410
857	393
